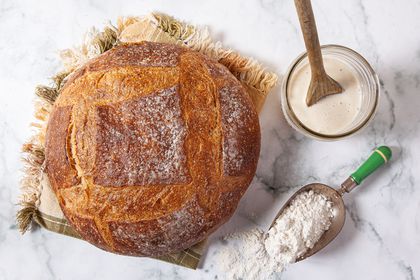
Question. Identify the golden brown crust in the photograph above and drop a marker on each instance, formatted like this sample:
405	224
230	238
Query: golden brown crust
129	137
59	164
149	55
150	147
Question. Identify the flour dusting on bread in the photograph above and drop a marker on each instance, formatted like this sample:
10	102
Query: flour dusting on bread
236	115
142	141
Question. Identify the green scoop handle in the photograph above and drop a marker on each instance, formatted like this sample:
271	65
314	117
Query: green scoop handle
379	157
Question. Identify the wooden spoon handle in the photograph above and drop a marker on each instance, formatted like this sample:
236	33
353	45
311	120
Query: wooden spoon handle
310	35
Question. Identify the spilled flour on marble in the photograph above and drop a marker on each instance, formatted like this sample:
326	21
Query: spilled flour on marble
256	255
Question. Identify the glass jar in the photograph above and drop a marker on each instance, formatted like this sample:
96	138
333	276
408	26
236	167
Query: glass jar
365	75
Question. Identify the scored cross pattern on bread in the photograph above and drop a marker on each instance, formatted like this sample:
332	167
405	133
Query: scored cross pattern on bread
150	147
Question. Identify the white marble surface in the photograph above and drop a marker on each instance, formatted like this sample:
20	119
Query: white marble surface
381	238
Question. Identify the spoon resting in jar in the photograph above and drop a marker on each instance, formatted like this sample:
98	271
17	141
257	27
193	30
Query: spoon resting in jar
321	84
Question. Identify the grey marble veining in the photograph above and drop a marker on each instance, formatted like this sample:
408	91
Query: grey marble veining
381	237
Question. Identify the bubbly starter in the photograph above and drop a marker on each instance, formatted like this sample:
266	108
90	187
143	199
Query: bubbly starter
332	114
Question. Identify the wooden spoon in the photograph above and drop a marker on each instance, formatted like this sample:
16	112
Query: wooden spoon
321	84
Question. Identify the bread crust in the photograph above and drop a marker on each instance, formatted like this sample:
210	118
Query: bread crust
150	147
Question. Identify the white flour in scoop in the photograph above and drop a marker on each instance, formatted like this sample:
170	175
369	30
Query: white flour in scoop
249	255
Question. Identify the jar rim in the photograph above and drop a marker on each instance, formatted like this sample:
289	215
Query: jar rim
299	126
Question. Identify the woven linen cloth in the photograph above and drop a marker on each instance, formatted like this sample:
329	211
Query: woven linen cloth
39	204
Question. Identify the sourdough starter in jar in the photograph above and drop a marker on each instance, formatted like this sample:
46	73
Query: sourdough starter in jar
333	114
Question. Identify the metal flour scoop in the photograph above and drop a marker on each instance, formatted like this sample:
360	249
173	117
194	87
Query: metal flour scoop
380	156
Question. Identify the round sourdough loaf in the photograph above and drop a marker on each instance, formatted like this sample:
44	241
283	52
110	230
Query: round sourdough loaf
149	148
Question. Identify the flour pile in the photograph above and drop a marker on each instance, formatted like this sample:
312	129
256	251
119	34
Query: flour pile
256	255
